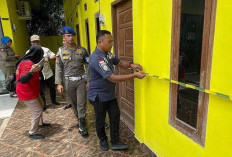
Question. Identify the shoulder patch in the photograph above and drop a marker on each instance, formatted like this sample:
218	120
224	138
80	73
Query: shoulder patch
103	65
79	51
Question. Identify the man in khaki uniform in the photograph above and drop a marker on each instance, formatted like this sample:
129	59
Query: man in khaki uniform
69	105
70	61
8	59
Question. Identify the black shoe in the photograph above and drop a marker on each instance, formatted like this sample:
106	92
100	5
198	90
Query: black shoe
104	145
45	125
106	126
55	103
81	128
13	95
67	106
119	146
36	136
44	108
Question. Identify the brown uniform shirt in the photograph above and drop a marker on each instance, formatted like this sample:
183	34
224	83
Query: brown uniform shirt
7	57
71	63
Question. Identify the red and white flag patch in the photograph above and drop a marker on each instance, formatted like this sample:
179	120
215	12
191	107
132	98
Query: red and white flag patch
103	65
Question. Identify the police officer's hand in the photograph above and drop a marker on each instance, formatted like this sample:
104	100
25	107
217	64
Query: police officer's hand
87	86
136	66
140	74
59	88
46	59
35	68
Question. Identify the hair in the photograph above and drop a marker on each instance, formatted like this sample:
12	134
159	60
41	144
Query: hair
101	33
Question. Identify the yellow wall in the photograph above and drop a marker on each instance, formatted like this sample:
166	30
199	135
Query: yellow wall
6	24
20	37
152	23
219	127
92	8
152	126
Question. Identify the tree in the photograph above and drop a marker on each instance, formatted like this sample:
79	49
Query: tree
49	20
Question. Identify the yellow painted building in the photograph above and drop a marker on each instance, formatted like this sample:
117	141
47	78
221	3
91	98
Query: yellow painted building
159	122
12	26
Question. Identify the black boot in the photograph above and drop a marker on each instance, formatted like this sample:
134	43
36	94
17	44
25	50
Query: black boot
82	128
67	106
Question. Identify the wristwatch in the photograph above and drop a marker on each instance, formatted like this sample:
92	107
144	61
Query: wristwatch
31	72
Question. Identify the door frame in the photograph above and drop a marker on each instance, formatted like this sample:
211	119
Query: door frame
87	35
1	28
114	6
78	34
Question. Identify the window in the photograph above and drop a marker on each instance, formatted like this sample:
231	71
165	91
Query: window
192	39
76	14
97	22
85	6
87	34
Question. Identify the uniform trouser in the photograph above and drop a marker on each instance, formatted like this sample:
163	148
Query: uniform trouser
7	71
76	92
50	82
100	109
36	110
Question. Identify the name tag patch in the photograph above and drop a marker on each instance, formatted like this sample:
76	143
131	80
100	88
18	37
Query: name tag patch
65	52
65	57
103	65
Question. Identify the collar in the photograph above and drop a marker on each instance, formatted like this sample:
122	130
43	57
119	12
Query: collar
99	52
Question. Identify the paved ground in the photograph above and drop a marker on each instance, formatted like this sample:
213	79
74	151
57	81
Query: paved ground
62	139
7	105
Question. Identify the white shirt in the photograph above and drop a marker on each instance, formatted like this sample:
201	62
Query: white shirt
47	71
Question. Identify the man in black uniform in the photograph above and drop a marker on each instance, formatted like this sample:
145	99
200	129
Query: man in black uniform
101	93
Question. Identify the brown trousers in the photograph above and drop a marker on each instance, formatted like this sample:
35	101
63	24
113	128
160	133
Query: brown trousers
76	92
36	109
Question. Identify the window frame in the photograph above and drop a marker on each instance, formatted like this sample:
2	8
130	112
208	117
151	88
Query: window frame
197	134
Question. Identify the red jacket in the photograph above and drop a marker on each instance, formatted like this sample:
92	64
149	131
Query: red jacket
31	89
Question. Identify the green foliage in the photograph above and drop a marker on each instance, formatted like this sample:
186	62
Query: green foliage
47	21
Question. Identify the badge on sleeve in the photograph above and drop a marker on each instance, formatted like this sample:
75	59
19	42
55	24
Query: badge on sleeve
104	67
86	59
79	51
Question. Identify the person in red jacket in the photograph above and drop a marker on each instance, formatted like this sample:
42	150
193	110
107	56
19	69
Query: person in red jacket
28	87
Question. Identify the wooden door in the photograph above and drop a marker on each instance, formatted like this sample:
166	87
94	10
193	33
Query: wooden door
123	34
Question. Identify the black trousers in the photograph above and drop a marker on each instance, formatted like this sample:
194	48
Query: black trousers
100	109
50	82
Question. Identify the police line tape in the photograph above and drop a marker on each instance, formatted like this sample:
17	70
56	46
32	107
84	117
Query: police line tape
191	86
